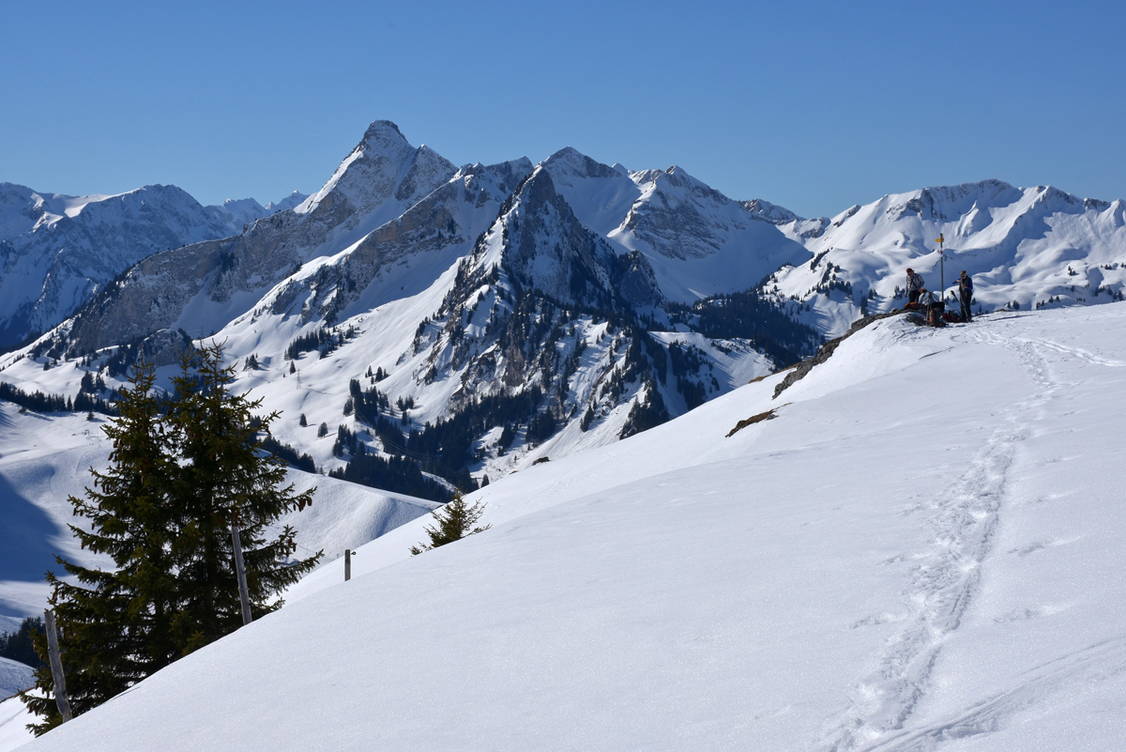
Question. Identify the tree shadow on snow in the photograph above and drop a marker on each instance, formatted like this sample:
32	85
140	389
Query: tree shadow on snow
26	535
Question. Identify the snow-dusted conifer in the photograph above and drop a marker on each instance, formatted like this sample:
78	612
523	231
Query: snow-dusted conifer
455	520
226	479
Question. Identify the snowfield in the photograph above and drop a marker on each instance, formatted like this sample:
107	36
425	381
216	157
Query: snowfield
921	550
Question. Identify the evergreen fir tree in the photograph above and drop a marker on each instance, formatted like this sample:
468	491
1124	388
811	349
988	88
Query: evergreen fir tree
115	624
455	521
227	480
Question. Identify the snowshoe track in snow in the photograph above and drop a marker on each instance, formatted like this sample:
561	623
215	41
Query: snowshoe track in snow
1091	665
963	518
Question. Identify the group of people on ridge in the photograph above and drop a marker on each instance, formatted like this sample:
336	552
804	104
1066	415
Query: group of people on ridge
916	287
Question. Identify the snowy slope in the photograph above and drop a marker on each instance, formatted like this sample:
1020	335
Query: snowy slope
13	722
14	677
45	459
1025	247
903	559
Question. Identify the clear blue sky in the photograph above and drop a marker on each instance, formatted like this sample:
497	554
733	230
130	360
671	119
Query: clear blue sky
814	105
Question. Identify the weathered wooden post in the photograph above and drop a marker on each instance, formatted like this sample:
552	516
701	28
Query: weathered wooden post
240	573
347	564
56	660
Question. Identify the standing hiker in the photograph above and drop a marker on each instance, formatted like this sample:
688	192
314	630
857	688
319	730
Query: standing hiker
914	286
965	293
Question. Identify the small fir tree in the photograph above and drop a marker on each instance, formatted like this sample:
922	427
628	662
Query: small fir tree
455	521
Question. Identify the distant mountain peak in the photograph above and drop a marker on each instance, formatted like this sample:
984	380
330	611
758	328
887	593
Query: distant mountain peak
570	159
290	201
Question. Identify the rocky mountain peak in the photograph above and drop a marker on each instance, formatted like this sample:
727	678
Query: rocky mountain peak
768	212
372	171
569	159
383	135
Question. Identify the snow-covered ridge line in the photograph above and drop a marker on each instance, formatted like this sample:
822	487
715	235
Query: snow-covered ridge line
1026	248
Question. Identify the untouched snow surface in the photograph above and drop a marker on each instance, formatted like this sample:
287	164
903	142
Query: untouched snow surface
921	551
13	724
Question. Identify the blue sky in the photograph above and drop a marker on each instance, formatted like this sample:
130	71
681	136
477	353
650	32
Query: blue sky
812	105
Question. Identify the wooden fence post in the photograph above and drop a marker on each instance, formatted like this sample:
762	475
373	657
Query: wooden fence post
347	564
56	659
240	573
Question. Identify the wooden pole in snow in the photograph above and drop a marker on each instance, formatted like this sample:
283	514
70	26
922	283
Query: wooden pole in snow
240	573
347	564
56	660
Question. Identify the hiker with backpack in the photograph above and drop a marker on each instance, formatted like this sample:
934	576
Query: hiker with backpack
914	286
965	294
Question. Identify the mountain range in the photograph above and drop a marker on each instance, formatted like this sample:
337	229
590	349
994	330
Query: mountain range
471	321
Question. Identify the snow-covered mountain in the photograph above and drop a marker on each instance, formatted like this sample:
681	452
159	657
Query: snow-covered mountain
200	288
56	250
236	213
917	546
421	326
698	242
1025	247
